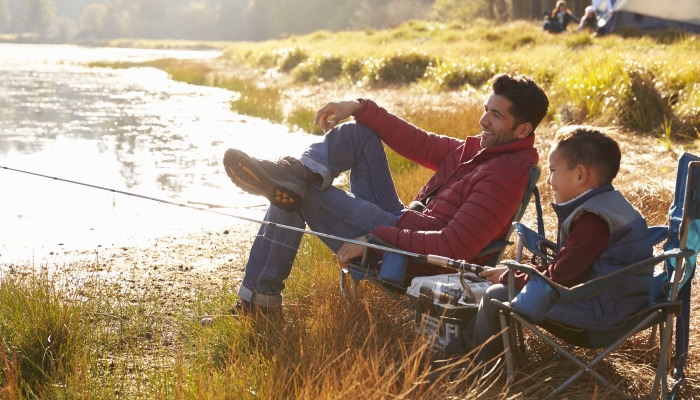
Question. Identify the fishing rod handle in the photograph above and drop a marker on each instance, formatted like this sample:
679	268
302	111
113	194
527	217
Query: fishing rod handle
458	265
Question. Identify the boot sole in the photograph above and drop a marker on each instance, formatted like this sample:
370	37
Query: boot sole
245	173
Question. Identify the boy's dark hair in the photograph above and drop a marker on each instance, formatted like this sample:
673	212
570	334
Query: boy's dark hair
530	103
592	147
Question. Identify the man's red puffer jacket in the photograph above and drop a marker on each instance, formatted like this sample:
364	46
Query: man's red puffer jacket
478	190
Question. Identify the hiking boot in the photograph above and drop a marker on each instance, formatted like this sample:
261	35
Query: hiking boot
247	309
282	182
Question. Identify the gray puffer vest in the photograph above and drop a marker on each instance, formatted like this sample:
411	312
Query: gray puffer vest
629	243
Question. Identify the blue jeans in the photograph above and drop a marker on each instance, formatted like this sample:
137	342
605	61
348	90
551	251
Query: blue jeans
485	324
371	202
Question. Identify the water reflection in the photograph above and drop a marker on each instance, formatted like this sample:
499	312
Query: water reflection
128	129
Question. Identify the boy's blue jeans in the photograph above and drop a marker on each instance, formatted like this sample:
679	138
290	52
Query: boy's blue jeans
371	202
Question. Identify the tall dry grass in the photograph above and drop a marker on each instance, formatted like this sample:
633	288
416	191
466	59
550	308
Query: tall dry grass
327	348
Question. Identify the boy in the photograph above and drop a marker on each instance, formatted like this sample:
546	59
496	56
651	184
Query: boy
599	232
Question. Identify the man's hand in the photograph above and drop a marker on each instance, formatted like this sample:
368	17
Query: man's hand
338	110
349	251
492	275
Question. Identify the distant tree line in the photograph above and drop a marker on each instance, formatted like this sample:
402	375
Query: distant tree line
245	19
504	10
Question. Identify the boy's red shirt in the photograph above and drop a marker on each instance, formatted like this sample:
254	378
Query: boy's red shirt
589	237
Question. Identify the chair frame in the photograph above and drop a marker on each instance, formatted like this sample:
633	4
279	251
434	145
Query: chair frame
661	313
496	248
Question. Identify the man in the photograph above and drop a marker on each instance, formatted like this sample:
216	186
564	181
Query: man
467	204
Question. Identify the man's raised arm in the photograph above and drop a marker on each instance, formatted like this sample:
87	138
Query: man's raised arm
338	110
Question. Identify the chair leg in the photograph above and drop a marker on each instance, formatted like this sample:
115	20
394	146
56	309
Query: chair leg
650	346
671	329
558	356
521	338
343	285
510	367
583	367
353	290
513	334
661	372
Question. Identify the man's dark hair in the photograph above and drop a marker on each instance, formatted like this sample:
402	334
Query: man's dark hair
530	103
591	147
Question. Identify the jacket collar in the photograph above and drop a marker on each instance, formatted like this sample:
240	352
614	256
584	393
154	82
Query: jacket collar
516	145
564	210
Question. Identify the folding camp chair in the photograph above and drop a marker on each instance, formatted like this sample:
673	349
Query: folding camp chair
670	295
366	268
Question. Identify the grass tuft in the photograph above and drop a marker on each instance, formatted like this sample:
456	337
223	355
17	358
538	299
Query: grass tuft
42	329
643	108
303	118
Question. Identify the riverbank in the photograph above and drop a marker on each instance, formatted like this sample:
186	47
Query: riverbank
158	44
123	340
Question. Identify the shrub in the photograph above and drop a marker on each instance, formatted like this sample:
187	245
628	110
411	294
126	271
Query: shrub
352	67
454	73
291	57
318	69
261	102
593	91
642	107
262	59
399	68
688	107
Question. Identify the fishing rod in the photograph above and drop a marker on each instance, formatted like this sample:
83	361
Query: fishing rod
429	259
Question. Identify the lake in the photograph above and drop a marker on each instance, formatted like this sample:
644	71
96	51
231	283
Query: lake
127	129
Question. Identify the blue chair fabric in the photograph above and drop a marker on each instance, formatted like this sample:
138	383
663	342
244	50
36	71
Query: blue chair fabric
682	242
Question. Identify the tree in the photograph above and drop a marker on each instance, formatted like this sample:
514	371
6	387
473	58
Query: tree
5	15
94	19
462	10
39	14
62	28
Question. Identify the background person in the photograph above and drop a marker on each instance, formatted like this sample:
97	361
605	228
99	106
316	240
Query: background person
589	20
562	16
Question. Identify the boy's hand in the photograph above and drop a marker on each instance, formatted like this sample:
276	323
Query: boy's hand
493	274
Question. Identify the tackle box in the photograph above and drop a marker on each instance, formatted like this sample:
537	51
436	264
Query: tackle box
439	309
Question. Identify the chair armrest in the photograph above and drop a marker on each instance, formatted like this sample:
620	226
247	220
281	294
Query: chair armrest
374	239
529	270
597	285
657	234
531	240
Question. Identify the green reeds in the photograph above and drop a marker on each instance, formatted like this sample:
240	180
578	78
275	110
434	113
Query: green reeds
42	329
303	118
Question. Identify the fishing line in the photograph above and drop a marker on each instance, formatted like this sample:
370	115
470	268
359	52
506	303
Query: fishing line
429	259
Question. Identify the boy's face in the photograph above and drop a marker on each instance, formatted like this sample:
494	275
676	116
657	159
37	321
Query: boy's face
564	182
497	124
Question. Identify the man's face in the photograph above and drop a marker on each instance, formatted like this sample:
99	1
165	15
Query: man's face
497	123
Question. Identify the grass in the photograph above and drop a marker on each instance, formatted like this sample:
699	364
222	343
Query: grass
111	343
72	338
331	349
302	118
588	77
628	81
